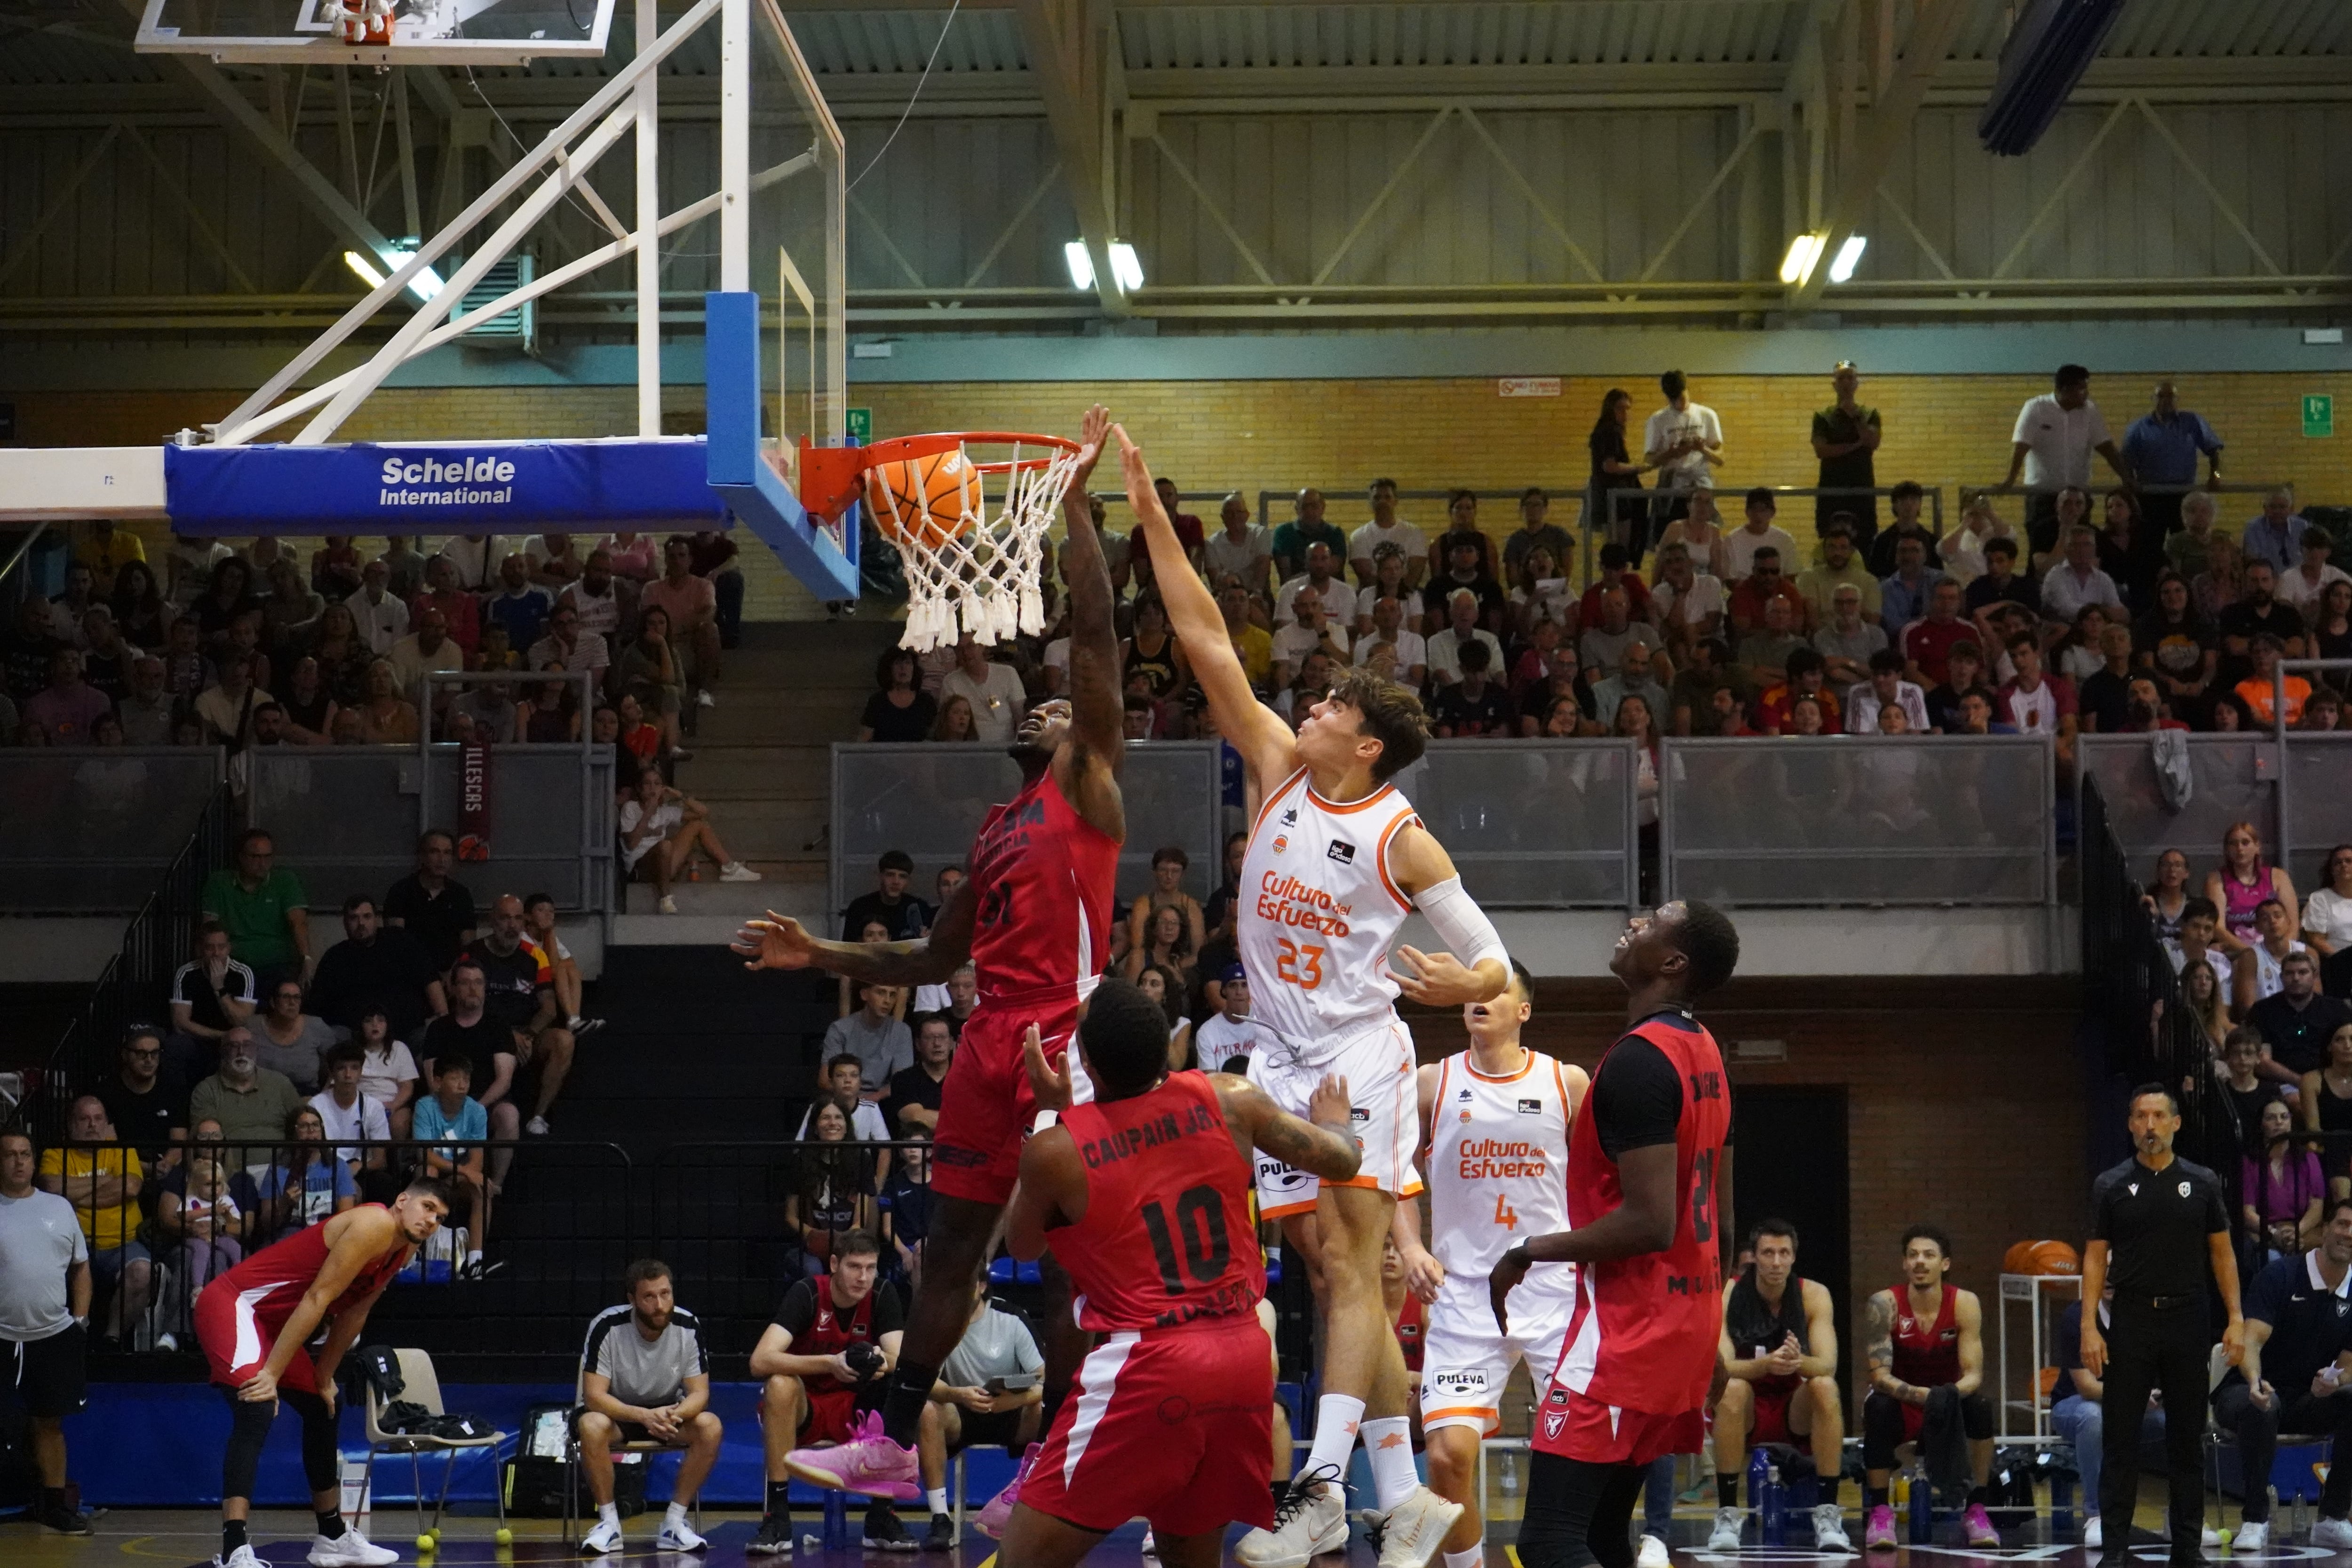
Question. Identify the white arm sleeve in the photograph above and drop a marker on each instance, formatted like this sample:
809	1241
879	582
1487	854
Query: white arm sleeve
1461	924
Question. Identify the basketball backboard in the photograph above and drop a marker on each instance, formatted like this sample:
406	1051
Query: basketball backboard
414	32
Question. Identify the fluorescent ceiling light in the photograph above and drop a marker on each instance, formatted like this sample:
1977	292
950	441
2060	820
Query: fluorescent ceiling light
424	285
1125	265
1849	255
1082	265
358	264
1803	251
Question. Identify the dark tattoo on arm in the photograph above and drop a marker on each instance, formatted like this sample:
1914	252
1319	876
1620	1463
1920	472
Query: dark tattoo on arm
1878	1344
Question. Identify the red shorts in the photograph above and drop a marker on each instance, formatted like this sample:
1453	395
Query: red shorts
1771	1423
236	1338
1577	1426
831	1412
985	1106
1174	1426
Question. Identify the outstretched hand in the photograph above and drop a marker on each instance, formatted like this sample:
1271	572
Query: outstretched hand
776	942
1139	493
1049	1083
1092	432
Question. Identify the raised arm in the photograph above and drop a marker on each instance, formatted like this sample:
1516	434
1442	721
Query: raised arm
1096	715
1256	730
1476	967
780	941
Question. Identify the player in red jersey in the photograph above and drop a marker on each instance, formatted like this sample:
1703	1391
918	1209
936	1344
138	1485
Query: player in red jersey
1649	1174
1033	917
253	1323
1144	1194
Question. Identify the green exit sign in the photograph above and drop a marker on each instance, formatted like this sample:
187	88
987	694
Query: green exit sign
861	426
2318	413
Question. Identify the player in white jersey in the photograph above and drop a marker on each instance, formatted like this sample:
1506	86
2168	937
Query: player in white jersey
1336	861
1494	1122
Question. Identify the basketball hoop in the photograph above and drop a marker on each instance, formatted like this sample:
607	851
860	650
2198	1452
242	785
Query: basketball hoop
972	531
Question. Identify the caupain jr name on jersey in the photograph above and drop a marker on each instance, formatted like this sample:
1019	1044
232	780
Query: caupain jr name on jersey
1486	1158
1287	901
1163	1129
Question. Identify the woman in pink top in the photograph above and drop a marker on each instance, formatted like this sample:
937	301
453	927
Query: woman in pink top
632	554
2242	882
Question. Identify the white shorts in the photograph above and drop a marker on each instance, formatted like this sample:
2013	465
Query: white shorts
1466	1360
1378	1063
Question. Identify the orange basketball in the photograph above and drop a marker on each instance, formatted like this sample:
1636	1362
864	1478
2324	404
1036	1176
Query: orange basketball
924	501
2041	1257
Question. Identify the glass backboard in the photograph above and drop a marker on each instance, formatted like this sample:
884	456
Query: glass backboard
412	32
797	240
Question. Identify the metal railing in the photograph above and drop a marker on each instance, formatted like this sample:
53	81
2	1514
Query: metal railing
1534	823
929	801
2290	784
1624	503
135	985
87	830
1919	820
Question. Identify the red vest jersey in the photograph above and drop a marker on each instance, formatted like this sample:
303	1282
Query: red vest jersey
1042	876
274	1278
834	1330
1644	1332
1167	1239
1926	1354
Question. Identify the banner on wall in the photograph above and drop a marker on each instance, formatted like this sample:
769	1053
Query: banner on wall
440	488
473	802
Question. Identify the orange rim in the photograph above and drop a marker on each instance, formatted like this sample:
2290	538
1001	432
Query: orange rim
900	448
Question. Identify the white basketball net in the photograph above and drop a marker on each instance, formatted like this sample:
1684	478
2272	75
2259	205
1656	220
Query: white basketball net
985	578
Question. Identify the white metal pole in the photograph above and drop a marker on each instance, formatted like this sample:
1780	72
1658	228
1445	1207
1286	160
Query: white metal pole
648	222
735	145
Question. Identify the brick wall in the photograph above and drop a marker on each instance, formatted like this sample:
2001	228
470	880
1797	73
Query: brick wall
1247	435
1967	1110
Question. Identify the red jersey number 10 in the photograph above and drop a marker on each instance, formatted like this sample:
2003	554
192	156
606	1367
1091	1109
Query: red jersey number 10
1201	1226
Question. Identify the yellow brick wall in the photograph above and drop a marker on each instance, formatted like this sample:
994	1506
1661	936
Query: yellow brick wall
1245	435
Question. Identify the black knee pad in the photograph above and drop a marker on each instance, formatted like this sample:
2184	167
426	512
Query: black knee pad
1975	1416
1882	1429
248	1429
321	1465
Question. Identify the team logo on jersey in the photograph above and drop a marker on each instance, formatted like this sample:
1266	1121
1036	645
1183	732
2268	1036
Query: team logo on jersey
1460	1382
2133	1189
1465	1096
1465	1117
1553	1421
2184	1189
1531	1108
1280	842
1290	818
1342	851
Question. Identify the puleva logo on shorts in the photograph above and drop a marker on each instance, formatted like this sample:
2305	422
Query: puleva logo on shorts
1460	1382
1274	1173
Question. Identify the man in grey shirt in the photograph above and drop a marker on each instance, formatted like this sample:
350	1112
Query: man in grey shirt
991	1389
644	1376
44	1310
881	1044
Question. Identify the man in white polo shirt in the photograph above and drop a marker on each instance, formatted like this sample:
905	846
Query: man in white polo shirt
1387	528
2051	445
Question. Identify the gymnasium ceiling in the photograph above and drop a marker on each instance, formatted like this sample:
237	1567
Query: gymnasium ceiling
1822	116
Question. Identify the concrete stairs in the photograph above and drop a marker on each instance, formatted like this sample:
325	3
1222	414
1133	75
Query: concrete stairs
761	762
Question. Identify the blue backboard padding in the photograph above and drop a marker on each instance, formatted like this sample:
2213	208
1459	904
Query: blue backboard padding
744	479
459	487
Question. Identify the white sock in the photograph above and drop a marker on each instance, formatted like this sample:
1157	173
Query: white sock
608	1514
1470	1556
475	1256
937	1497
1337	1417
1388	1443
675	1513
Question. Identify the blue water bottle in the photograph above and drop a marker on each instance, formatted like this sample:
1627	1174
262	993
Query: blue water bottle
1760	1467
837	1522
1923	1507
1773	1507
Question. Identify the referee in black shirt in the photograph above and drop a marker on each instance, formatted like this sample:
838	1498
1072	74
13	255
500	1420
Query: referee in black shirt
2158	1223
